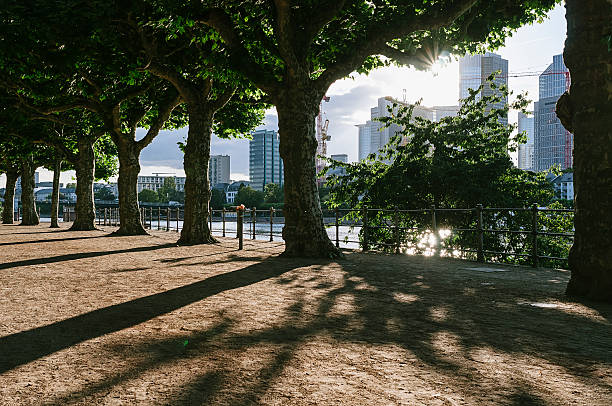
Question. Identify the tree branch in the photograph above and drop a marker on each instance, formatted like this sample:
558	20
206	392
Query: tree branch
222	99
165	110
377	39
318	17
242	61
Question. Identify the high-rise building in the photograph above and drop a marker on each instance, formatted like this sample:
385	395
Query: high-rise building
526	150
373	135
265	163
553	144
474	71
219	169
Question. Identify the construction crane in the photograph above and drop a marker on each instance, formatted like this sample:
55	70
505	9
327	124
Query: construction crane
322	137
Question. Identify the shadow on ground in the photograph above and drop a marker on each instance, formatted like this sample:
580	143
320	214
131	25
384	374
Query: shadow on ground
450	324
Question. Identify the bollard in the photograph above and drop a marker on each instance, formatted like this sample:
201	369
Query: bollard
223	220
239	213
253	215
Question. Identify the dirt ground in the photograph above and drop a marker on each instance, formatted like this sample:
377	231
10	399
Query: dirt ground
94	320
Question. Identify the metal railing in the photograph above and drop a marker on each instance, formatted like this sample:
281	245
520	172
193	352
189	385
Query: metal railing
516	235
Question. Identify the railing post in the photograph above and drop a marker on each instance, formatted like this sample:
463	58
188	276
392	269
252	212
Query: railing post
239	235
210	214
480	236
534	236
253	215
168	218
223	220
337	213
271	224
436	232
19	213
396	230
366	245
158	218
151	219
178	216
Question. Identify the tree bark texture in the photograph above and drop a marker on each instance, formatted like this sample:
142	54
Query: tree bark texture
129	168
28	203
85	211
57	170
304	232
588	55
197	185
8	207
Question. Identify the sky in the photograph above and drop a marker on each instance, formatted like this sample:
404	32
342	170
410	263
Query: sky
530	49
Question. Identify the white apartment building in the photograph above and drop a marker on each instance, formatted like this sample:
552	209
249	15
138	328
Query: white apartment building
156	182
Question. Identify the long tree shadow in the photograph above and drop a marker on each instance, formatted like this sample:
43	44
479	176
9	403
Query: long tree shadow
409	305
49	240
23	347
80	255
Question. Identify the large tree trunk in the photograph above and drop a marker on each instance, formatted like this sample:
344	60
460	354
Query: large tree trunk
129	211
197	185
28	203
85	166
588	55
8	208
57	170
304	232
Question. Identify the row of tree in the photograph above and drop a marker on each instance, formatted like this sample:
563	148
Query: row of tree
105	68
214	65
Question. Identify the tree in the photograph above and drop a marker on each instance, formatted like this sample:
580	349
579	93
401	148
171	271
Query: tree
149	196
249	197
217	199
458	162
294	51
28	203
89	72
586	112
11	169
273	193
167	192
105	194
215	98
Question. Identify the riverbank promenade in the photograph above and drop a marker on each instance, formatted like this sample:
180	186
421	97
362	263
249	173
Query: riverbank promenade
88	319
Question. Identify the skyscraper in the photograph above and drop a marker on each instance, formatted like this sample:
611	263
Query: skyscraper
553	144
526	151
474	71
373	135
219	169
265	163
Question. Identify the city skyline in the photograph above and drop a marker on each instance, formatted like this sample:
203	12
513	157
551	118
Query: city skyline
530	49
